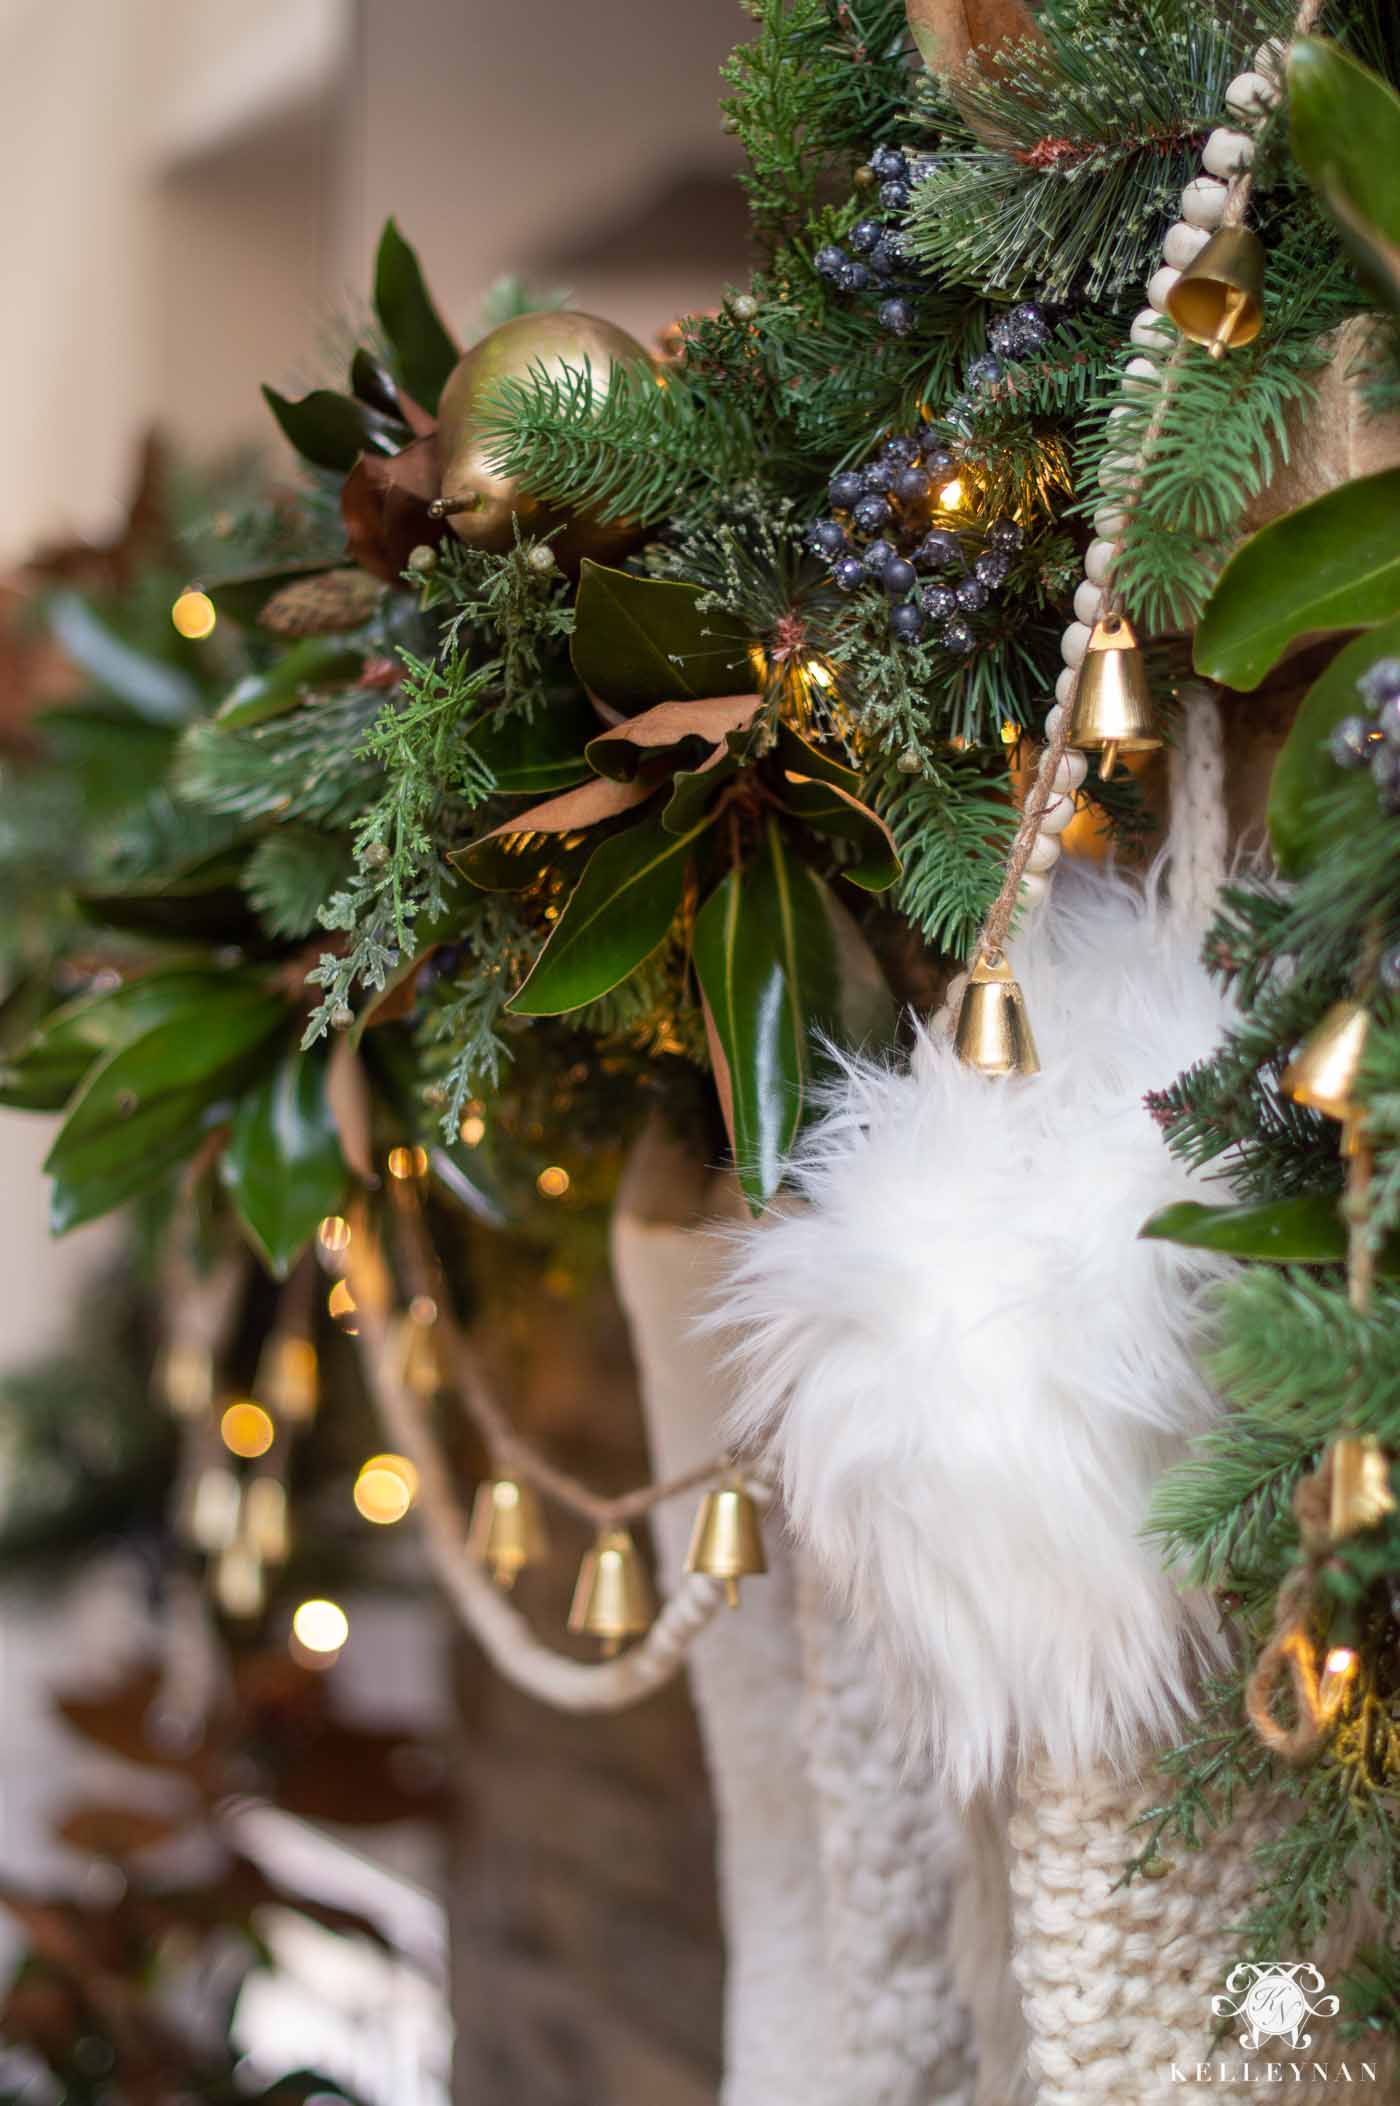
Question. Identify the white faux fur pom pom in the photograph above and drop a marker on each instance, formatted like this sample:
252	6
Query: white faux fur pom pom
969	1372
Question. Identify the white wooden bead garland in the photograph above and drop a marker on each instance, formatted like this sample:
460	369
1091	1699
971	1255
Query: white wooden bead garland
1228	152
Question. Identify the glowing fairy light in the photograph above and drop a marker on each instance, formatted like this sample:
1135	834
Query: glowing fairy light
246	1429
951	495
321	1629
194	615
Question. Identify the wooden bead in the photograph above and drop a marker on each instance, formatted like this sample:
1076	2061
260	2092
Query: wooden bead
1226	152
1057	814
1203	202
1159	285
1035	889
1183	244
1088	602
1141	376
1070	771
1271	58
1251	95
1065	681
1097	557
1045	853
1074	643
1109	520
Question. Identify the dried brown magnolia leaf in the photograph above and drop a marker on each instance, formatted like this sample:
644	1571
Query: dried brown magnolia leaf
348	1094
626	746
384	502
947	31
325	605
586	806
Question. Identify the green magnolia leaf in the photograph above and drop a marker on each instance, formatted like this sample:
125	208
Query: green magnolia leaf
203	904
372	382
425	352
529	756
283	1166
315	661
1346	137
802	758
1304	767
638	641
1303	1231
153	1086
154	688
619	911
332	431
694	790
833	811
47	1070
76	1199
766	958
114	755
1332	564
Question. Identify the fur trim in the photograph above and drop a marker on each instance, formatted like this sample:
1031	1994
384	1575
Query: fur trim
967	1370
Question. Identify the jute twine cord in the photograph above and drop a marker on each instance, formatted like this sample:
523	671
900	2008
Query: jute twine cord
498	1627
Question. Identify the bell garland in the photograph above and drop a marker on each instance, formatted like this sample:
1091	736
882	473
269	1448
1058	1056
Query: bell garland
727	1541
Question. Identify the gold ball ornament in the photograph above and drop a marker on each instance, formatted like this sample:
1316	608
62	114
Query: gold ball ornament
491	503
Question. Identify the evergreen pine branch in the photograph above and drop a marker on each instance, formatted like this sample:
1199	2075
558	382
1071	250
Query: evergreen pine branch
291	874
638	450
818	86
463	1031
305	765
1097	127
952	830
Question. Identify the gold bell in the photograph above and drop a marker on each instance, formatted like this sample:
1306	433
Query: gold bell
507	1528
727	1542
1322	1073
1112	708
1217	300
613	1598
1361	1494
994	1033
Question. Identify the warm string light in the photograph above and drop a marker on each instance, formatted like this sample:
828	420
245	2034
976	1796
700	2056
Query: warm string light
1338	1672
321	1630
553	1183
247	1430
385	1489
950	496
194	614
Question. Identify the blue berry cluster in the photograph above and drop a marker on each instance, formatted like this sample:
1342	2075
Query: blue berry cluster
1013	337
875	258
881	534
1373	741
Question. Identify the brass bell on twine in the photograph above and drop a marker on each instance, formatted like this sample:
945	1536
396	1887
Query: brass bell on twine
1217	301
1112	708
1322	1073
613	1598
994	1033
507	1529
727	1541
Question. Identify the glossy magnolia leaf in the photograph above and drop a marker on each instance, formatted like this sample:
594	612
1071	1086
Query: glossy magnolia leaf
204	904
638	641
1304	1231
283	1166
530	757
315	661
1346	138
1332	564
678	734
139	1094
332	431
372	382
803	758
154	688
159	1146
766	958
47	1070
425	352
1305	767
694	790
833	811
619	911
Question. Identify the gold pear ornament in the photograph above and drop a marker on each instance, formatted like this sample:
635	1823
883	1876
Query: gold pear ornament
507	1529
1112	708
613	1598
1218	299
727	1542
994	1032
481	505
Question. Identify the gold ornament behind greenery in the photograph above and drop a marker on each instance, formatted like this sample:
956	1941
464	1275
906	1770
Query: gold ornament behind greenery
482	506
1360	1495
994	1032
1218	299
1112	708
1322	1073
613	1598
727	1541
